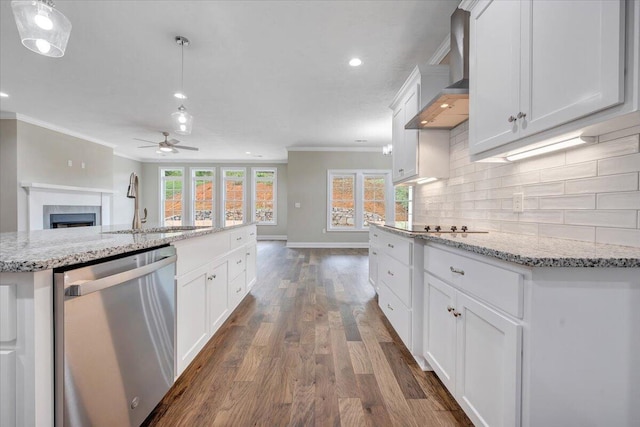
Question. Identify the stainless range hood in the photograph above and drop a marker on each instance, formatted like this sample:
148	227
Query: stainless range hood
451	106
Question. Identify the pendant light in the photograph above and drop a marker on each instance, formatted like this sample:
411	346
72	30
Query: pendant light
42	28
182	120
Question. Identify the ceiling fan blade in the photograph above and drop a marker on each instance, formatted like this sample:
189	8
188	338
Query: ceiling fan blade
145	140
173	141
149	146
185	147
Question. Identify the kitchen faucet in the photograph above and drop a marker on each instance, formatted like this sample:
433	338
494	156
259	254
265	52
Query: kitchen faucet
132	193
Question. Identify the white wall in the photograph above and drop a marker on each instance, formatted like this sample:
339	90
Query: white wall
122	207
8	176
589	193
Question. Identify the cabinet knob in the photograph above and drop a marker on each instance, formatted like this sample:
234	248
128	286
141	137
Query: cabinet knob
456	271
450	309
511	119
238	290
522	115
389	307
457	313
375	235
389	273
248	253
211	277
240	262
390	245
375	253
239	238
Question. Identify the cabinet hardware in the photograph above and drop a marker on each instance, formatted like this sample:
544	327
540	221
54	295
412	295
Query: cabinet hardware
252	234
239	290
389	307
456	271
239	238
375	253
522	115
375	235
209	277
457	313
511	119
450	309
240	262
390	245
389	273
248	253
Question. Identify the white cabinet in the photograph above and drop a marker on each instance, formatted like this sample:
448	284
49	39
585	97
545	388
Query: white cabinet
192	325
476	353
399	284
374	249
251	265
536	65
217	296
405	141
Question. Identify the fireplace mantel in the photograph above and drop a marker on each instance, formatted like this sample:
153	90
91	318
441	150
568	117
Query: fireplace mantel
41	186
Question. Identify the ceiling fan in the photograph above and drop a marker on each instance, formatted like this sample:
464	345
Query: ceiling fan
166	146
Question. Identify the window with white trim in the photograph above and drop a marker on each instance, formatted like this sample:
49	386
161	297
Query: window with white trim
172	196
203	196
404	205
357	198
265	182
233	196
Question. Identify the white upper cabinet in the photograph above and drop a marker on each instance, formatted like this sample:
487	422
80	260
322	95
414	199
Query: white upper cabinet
405	141
536	65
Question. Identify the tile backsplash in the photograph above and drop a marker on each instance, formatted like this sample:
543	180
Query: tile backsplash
588	193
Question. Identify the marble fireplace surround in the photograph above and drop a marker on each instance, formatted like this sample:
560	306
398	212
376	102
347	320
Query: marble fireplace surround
43	199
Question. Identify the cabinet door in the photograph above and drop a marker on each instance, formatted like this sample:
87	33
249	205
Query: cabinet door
397	139
192	325
488	364
409	156
494	84
572	61
251	265
217	296
440	330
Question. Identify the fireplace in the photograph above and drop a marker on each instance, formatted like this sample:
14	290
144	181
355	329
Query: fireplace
66	216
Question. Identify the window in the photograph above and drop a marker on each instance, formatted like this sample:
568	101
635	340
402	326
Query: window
171	196
357	198
202	196
404	205
233	195
264	195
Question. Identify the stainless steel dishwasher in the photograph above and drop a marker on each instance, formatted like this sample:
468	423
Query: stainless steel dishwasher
114	339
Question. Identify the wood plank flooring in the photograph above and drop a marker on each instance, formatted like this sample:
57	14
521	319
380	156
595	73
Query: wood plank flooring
308	346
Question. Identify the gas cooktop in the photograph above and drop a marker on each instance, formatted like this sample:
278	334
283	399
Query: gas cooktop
436	229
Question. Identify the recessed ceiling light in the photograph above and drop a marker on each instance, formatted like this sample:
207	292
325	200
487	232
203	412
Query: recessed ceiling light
355	62
4	95
180	95
247	152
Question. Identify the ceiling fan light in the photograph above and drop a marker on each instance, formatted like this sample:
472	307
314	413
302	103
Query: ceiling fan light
182	121
42	28
166	149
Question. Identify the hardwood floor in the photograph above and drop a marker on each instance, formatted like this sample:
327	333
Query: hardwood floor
308	346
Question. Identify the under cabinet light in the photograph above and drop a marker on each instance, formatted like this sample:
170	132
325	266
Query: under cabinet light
552	147
426	180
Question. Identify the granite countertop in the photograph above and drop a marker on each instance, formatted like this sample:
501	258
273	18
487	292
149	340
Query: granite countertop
533	251
25	251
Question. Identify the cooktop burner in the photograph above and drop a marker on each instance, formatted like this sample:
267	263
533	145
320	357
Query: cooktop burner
436	229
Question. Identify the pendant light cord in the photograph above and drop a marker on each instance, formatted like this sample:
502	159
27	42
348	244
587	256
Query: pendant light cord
182	68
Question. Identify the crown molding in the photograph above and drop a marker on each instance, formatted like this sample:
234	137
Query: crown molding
55	128
127	156
441	52
468	4
358	149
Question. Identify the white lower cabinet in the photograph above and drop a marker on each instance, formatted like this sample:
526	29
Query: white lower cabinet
213	275
396	312
476	353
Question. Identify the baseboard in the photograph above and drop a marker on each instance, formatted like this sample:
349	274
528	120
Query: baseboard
272	237
329	245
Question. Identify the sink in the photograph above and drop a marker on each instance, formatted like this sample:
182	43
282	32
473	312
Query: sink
157	230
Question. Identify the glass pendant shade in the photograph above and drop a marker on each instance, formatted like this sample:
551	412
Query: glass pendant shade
42	28
182	121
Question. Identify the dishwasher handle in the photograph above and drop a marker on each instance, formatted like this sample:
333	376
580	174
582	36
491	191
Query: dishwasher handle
77	290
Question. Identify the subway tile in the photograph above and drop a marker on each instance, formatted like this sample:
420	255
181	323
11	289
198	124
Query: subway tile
617	147
461	206
602	218
460	154
550	189
621	133
603	184
488	183
617	165
538	163
521	179
502	216
618	236
504	193
628	200
463	170
462	188
474	195
520	228
579	170
572	232
473	214
463	137
586	201
488	204
556	216
485	225
503	170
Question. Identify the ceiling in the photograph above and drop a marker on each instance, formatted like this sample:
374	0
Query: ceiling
261	76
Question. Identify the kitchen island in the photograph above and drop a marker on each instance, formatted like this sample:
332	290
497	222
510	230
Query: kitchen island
215	269
522	330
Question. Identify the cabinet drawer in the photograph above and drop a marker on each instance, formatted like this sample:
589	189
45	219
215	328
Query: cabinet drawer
397	277
198	251
399	316
238	237
237	262
498	286
397	247
252	233
237	290
374	236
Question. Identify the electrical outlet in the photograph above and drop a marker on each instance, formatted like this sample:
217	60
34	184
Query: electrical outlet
518	202
69	163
